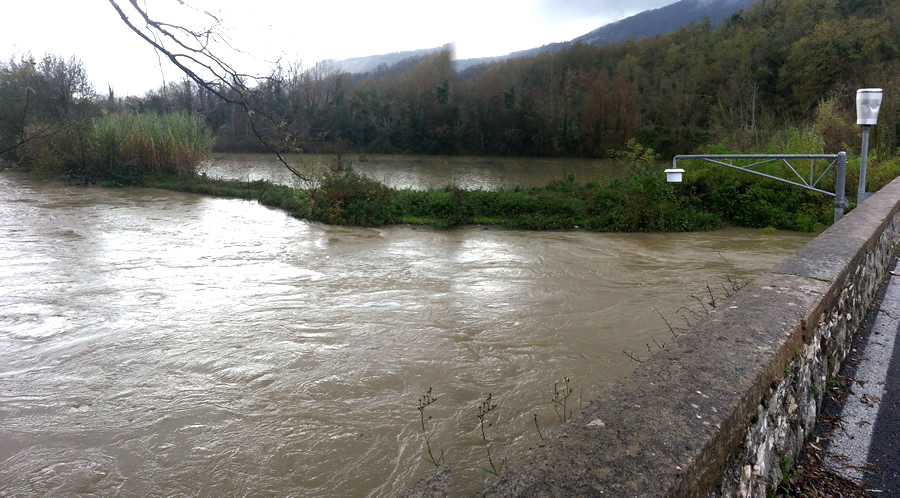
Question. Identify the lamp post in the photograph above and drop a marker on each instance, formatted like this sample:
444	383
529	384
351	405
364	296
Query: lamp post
868	103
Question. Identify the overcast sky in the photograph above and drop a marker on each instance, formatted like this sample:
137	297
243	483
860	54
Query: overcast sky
300	30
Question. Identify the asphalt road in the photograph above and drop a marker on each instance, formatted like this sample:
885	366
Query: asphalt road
884	452
864	444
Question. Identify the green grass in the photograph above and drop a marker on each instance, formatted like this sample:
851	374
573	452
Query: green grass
643	203
351	199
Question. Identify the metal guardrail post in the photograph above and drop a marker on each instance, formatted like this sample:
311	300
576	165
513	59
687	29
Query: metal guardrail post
840	185
863	159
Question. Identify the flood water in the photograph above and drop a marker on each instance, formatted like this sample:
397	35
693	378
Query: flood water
419	172
161	343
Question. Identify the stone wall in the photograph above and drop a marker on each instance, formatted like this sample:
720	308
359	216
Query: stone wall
718	411
788	413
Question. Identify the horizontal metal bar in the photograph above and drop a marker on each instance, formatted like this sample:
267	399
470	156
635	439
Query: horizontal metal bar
838	161
742	168
755	156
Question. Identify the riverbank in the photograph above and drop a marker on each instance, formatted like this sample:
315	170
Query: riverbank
641	203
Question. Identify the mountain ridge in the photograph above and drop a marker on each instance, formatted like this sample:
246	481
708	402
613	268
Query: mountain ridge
370	63
645	24
655	22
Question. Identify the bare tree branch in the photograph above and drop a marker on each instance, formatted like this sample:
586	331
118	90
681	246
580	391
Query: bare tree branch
632	356
672	330
191	52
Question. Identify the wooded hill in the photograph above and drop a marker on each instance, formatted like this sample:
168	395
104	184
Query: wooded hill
645	24
779	65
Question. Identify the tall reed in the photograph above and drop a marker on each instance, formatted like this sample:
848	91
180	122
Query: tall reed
139	144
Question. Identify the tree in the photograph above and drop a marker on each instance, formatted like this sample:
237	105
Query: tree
45	108
198	53
737	84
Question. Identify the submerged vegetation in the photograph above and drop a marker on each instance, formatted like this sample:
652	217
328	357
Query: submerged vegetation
644	203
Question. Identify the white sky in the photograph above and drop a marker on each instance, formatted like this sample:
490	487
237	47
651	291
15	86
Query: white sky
300	30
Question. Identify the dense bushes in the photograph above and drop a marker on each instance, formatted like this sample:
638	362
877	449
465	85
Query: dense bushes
46	106
710	197
352	199
643	203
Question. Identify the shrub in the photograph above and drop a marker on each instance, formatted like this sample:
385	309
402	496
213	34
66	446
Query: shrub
349	198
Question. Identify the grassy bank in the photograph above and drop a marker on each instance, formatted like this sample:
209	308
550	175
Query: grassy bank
710	198
640	204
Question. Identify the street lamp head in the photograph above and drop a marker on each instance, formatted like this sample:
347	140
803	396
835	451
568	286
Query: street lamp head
673	175
868	103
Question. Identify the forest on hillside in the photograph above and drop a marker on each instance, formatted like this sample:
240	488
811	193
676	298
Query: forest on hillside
782	64
780	77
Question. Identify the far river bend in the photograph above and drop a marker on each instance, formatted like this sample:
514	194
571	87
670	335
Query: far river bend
160	343
418	172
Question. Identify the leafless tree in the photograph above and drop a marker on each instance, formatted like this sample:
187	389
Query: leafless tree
198	53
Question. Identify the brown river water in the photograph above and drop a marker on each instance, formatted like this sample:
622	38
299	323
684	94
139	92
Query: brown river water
161	343
418	172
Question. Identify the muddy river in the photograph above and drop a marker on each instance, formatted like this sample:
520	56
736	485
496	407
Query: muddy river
160	343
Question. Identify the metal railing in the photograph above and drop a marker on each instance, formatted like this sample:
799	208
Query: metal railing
838	162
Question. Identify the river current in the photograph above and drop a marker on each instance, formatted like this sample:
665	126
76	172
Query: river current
161	343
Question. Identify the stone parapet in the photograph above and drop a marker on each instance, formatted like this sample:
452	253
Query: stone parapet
720	410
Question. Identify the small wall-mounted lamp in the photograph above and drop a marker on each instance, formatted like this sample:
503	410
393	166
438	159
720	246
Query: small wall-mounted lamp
673	175
868	103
